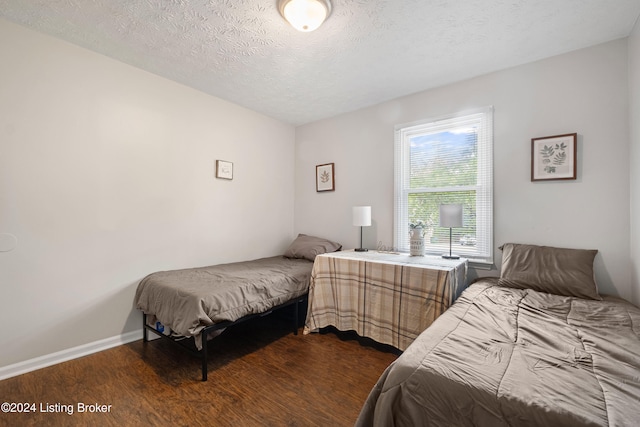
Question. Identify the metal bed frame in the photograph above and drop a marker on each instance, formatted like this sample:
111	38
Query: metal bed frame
216	326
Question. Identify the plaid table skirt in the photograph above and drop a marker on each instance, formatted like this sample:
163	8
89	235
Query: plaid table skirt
390	298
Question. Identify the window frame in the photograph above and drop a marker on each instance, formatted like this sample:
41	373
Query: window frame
483	252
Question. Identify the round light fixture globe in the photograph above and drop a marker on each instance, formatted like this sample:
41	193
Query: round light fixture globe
305	15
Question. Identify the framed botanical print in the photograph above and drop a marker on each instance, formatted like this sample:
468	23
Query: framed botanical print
554	157
224	169
325	177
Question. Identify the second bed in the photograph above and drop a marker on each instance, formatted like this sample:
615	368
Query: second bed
199	302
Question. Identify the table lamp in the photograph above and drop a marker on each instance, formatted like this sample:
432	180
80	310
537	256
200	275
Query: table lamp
361	218
450	217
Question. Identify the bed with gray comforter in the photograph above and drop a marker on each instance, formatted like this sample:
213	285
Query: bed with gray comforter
186	301
201	302
508	354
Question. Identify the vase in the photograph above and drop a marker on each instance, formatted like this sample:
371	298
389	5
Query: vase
416	241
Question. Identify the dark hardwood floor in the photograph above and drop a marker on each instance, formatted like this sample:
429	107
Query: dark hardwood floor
260	374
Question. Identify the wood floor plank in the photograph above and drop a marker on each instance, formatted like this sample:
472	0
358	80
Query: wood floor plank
260	374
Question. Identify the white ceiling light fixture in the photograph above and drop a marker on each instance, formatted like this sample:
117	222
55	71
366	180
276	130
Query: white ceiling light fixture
305	15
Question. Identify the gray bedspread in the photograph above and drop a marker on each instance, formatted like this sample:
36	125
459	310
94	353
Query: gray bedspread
186	301
514	357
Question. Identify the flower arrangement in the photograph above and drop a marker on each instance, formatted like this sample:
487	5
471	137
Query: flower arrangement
421	224
417	224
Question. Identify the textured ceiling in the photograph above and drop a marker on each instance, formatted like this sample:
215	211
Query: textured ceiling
367	52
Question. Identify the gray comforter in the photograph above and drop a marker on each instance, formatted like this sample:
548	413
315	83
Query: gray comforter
186	301
514	357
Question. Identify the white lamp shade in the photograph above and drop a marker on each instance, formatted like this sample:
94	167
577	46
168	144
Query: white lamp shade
305	15
451	215
362	216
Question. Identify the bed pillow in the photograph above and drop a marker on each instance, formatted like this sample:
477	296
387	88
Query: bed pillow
547	269
308	247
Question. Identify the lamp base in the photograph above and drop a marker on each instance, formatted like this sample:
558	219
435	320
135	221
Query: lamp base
447	256
361	250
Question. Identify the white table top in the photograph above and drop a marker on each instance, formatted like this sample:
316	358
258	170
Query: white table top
430	261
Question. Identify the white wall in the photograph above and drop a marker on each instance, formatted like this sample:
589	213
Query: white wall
583	91
106	175
634	122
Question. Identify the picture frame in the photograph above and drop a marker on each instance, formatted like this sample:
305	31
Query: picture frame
325	177
554	157
224	169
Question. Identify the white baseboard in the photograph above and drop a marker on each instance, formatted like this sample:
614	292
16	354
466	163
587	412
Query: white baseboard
69	354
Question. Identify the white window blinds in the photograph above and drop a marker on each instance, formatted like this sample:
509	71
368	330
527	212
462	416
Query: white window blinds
446	160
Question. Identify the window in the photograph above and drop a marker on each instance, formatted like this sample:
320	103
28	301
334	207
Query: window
446	160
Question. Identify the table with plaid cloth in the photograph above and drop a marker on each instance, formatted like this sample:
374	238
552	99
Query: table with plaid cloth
388	297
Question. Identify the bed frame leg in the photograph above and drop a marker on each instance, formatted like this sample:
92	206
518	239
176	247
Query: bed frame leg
204	356
145	333
295	317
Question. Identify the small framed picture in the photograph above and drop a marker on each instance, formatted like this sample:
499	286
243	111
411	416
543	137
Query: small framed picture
325	177
224	169
554	157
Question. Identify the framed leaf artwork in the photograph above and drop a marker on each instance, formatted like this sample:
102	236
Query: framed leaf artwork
224	169
554	157
325	178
